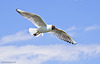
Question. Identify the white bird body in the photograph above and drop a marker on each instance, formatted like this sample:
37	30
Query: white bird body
45	29
42	27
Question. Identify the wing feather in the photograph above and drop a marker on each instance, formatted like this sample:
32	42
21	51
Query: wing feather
35	19
62	35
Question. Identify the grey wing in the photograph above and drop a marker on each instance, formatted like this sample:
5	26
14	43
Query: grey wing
62	35
35	19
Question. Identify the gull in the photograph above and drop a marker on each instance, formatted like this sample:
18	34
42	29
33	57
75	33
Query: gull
42	27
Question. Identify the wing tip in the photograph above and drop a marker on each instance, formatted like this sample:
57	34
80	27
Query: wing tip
19	11
74	43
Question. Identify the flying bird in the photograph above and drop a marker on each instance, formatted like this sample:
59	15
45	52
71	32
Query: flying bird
42	27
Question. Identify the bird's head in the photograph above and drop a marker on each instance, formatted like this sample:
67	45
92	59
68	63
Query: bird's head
53	27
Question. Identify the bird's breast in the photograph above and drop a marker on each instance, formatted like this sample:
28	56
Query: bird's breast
44	29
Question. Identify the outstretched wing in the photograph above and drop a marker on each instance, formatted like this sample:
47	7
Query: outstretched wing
62	35
35	19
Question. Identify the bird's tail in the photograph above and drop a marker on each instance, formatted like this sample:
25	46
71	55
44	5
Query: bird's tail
34	31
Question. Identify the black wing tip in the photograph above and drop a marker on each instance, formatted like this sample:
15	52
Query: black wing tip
17	10
72	42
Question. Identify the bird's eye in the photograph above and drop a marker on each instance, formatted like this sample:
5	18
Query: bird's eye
53	27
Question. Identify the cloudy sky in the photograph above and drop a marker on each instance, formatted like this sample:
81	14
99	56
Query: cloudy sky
79	18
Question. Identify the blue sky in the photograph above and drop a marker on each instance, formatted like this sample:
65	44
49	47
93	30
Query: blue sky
79	18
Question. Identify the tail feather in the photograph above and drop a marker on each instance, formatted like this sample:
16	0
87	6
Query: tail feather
32	30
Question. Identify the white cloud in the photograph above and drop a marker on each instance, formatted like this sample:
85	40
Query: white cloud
31	54
21	35
94	27
72	34
71	28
